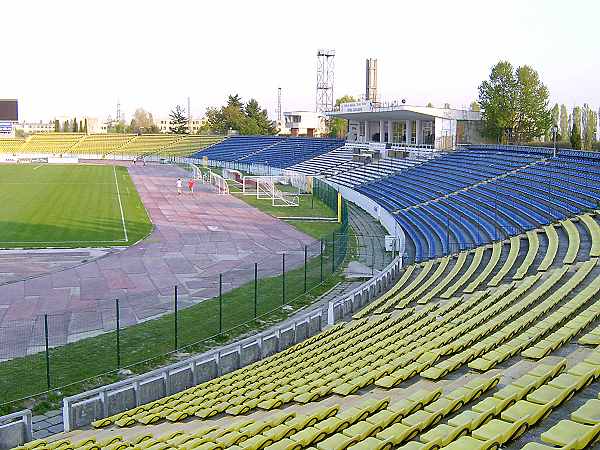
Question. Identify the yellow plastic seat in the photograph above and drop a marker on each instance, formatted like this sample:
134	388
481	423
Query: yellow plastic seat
588	413
372	443
567	432
308	436
338	441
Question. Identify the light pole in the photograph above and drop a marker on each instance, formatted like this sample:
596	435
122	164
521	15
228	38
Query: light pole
554	133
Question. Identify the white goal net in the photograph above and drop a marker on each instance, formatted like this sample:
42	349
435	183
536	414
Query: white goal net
278	189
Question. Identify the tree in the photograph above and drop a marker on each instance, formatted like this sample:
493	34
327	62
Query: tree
576	128
235	101
66	128
514	102
430	105
564	123
497	100
556	118
475	106
588	127
446	105
178	121
80	126
339	127
75	125
249	119
56	126
142	122
85	129
257	120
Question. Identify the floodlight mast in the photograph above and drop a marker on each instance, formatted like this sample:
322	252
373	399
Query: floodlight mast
325	78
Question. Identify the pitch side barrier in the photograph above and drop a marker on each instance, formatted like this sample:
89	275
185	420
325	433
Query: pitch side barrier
82	409
16	429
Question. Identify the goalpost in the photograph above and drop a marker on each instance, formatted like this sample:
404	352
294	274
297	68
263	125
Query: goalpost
265	187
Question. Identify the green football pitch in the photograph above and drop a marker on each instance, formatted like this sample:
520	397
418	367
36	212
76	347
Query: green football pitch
69	206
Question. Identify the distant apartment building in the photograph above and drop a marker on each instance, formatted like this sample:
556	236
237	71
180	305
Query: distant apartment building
164	125
28	127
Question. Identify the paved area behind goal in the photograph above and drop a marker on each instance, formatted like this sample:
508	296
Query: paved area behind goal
196	237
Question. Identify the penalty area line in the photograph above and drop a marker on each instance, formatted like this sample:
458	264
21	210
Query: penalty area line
120	204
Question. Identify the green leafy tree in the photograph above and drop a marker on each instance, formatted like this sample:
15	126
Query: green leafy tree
564	123
497	97
430	105
56	126
120	127
534	117
178	121
248	119
556	118
576	129
81	125
258	119
589	127
338	127
85	126
235	101
75	125
514	102
475	106
66	128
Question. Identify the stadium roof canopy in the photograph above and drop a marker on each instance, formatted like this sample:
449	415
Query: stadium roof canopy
367	111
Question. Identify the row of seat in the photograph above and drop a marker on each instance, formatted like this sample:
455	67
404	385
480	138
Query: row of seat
335	158
429	283
108	144
532	398
580	431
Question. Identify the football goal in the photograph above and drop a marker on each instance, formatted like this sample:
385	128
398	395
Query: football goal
275	188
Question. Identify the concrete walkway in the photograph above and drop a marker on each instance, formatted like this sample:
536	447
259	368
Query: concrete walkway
196	237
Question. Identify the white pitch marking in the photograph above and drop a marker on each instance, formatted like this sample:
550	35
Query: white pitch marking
37	167
120	204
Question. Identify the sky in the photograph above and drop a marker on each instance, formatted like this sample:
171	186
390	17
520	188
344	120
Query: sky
74	58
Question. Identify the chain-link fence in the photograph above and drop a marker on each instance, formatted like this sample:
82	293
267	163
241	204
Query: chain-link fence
68	352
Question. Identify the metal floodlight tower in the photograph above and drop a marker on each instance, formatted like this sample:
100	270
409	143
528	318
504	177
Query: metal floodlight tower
325	72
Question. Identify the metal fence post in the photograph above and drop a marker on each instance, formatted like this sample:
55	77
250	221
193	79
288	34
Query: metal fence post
321	260
372	256
283	278
333	253
255	289
47	351
220	303
118	315
305	268
176	324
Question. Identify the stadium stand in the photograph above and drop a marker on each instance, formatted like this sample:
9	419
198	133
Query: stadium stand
189	144
470	349
51	142
236	147
338	157
486	199
109	144
146	144
290	151
380	168
11	145
102	143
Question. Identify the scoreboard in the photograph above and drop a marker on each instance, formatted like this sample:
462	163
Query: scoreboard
9	113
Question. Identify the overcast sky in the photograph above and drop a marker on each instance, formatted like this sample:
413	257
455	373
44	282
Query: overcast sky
79	57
